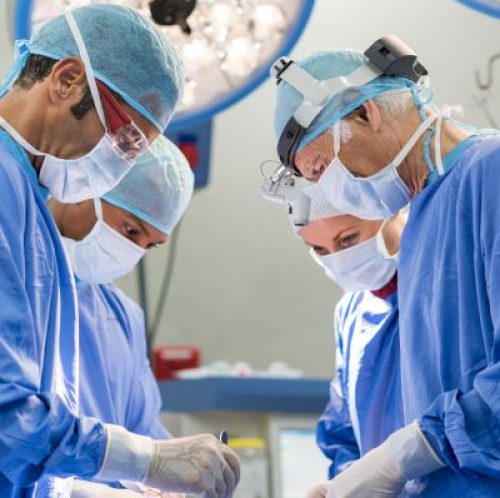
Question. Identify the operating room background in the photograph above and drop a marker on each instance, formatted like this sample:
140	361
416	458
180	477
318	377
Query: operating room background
243	286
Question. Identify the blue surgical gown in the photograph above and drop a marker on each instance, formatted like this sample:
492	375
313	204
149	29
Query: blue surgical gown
116	382
117	385
40	429
365	404
450	322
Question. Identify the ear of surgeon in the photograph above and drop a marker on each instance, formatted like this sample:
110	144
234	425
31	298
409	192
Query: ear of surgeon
105	238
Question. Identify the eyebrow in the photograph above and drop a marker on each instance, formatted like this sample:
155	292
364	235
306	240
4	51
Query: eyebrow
352	229
141	225
315	246
338	233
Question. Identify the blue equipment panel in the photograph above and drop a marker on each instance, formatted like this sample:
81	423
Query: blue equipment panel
293	396
195	141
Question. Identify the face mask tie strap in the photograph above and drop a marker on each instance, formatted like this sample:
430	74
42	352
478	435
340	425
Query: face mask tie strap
98	209
336	138
91	79
423	127
445	114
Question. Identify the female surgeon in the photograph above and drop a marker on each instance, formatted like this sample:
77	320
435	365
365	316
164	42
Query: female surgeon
360	256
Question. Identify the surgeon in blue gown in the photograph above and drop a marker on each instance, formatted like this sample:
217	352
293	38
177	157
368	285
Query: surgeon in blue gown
453	306
365	404
76	111
116	382
382	145
44	105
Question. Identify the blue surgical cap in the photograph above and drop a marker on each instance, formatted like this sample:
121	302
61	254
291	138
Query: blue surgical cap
323	66
158	188
126	52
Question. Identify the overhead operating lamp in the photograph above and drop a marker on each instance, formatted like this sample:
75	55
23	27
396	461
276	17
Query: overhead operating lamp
227	45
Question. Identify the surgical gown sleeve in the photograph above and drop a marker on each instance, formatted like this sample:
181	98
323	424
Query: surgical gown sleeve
143	414
463	425
146	406
334	432
39	432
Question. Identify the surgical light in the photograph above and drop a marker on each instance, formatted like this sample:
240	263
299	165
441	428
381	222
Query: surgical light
227	45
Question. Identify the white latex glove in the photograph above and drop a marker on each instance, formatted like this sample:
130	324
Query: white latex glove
383	472
199	464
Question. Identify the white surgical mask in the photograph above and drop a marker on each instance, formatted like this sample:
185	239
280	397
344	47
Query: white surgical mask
103	255
365	266
90	176
376	197
75	180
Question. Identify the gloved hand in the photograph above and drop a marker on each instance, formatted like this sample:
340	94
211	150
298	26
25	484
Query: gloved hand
383	472
198	464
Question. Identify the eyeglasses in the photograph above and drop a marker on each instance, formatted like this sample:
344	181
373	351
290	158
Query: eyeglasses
126	137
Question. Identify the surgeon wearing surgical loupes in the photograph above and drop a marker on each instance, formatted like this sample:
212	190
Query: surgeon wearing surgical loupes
398	147
75	135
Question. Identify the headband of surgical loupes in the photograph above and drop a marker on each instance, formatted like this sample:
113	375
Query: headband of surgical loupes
388	56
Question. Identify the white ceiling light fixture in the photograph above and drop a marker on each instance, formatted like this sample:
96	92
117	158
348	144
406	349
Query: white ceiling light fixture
227	45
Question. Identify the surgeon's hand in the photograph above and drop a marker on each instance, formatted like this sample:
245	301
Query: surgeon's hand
198	464
383	472
373	476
